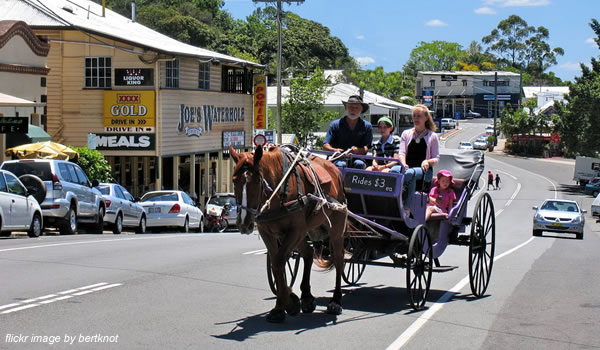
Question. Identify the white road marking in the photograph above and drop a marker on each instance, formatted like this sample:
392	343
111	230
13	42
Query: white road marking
51	298
439	304
255	252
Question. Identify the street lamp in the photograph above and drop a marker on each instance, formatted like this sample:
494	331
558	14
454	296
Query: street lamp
279	60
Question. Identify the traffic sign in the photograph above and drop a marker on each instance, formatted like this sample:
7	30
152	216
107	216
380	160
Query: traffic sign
260	140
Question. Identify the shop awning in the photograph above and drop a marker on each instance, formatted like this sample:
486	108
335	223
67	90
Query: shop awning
13	101
35	134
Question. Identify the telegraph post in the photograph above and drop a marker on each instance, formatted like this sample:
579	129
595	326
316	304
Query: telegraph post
279	59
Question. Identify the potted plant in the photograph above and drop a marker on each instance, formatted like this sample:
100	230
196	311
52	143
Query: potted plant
491	142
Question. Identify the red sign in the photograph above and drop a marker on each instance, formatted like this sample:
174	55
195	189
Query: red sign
555	137
260	140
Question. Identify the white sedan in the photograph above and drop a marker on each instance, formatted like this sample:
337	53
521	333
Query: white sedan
172	209
465	145
19	210
596	206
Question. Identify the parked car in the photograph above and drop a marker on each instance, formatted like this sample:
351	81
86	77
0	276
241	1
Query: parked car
465	145
592	187
470	114
596	206
559	215
489	131
216	204
448	123
481	143
19	210
70	199
121	209
172	209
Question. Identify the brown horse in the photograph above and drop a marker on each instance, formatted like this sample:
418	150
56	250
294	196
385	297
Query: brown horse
254	178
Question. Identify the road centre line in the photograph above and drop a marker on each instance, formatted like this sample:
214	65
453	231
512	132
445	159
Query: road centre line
29	303
255	252
438	305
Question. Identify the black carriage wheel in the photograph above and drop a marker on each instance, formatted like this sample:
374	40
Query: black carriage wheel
482	245
291	271
354	270
419	267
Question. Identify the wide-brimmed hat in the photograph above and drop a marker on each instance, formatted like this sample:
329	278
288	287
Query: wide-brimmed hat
357	99
442	173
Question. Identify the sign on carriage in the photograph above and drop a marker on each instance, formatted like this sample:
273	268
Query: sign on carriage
369	181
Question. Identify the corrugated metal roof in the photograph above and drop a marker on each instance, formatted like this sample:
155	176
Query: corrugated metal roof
531	91
470	73
86	15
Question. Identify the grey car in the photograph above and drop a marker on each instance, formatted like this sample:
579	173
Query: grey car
559	215
70	198
121	209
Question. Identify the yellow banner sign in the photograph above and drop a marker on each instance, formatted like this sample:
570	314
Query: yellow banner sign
260	102
129	108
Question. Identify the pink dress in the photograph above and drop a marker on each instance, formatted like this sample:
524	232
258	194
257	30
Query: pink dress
443	198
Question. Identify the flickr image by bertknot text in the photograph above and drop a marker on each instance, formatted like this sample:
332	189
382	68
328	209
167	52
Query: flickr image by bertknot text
70	339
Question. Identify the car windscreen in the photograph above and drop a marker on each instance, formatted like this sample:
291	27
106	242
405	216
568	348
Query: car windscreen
221	201
160	197
39	169
104	189
560	206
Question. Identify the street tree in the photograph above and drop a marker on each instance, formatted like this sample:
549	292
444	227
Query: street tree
303	112
434	56
393	85
93	164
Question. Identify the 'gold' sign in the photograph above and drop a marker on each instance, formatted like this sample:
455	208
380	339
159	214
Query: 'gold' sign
129	108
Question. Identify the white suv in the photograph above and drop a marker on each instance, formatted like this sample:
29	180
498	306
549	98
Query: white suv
70	198
448	123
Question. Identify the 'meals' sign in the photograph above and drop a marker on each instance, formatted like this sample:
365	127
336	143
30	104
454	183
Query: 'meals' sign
199	120
125	142
134	76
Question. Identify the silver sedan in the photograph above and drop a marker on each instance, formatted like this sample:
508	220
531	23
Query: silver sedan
559	215
172	209
121	209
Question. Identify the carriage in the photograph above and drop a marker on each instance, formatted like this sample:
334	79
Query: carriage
381	233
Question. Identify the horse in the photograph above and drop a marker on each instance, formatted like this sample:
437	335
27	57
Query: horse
284	226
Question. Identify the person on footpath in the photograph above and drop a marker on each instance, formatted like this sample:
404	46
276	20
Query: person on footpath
497	181
490	180
350	132
387	146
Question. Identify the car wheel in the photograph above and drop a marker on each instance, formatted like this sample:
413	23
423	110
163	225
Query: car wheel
580	235
537	233
98	227
142	227
5	234
186	225
201	226
118	225
35	230
69	226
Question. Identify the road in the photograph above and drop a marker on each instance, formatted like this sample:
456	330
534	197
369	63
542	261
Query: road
209	291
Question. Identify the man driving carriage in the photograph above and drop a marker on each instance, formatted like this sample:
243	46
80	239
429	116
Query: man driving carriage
350	133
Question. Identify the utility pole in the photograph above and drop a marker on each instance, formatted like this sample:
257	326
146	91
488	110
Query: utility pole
495	106
279	45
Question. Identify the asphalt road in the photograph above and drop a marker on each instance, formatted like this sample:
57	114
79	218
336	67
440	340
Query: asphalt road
210	291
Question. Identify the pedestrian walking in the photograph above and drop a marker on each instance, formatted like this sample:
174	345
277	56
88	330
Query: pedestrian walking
490	180
497	181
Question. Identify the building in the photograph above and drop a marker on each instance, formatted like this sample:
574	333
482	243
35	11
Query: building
545	96
23	60
452	94
162	112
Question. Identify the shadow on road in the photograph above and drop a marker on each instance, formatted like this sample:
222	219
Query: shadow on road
570	189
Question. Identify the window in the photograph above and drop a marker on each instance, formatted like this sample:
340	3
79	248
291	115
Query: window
204	76
2	184
172	72
236	80
83	180
64	172
432	83
13	185
119	193
43	81
464	83
98	72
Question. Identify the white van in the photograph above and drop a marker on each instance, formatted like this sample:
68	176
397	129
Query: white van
448	123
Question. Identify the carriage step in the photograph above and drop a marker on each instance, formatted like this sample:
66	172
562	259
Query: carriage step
444	268
463	240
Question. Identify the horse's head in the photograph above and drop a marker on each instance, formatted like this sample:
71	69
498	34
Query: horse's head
247	186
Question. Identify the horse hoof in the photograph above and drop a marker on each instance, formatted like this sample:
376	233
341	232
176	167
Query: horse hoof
334	308
276	316
293	307
308	305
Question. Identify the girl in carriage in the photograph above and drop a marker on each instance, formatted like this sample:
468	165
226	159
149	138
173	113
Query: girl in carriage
441	196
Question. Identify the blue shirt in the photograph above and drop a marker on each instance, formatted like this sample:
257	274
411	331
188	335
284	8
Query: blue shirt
339	134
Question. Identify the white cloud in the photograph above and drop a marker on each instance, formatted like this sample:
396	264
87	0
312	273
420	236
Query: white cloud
363	61
570	66
590	41
509	3
436	23
360	37
485	11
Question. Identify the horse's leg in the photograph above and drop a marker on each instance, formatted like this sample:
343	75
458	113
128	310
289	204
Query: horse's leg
336	243
277	314
307	300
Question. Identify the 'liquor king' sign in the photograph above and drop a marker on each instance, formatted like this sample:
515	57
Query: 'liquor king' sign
260	102
129	108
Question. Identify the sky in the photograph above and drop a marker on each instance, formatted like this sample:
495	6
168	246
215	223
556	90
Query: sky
384	32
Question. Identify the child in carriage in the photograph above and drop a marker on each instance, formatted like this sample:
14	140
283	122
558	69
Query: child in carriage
387	146
441	196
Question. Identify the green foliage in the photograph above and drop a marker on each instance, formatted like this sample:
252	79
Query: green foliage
303	111
579	118
434	56
93	164
395	86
